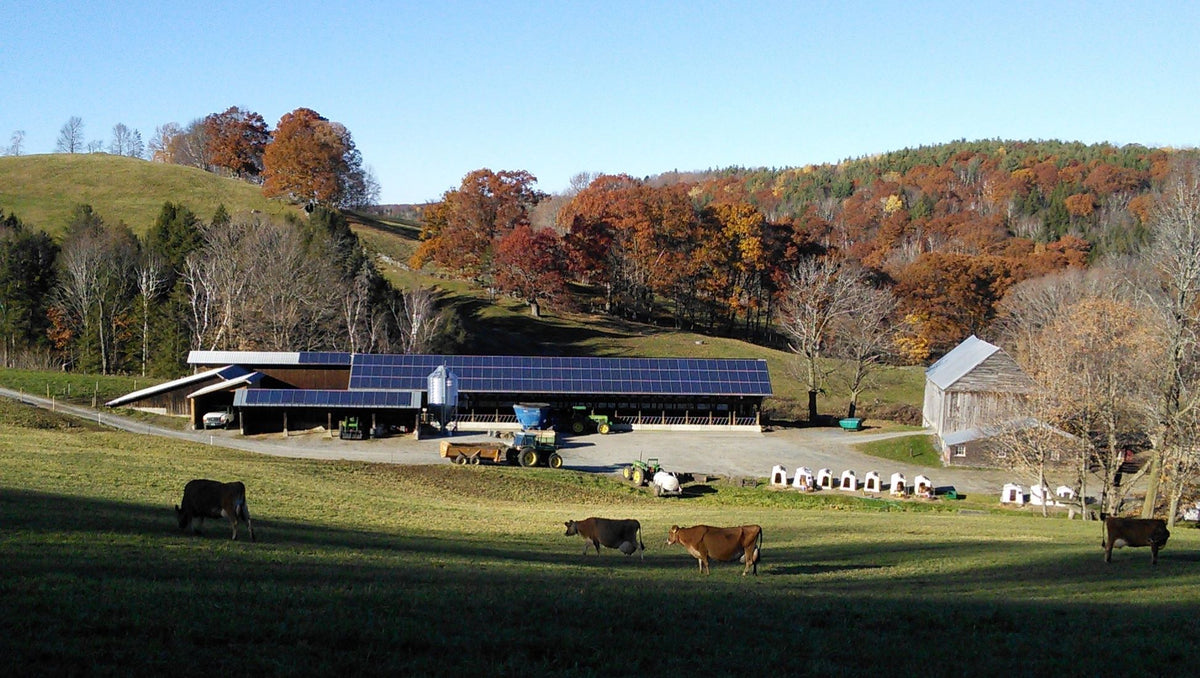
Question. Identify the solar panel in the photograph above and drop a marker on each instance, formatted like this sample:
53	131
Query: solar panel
266	397
325	358
534	374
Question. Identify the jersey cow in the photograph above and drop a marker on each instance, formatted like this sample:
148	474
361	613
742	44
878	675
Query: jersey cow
743	544
1120	532
623	535
211	499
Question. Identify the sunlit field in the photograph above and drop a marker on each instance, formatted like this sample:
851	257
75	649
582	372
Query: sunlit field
449	570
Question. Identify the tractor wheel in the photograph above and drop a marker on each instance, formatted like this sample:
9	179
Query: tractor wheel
475	460
555	460
638	477
627	472
529	457
577	427
510	457
603	429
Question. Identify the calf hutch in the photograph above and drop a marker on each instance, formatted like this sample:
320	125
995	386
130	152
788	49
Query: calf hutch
281	391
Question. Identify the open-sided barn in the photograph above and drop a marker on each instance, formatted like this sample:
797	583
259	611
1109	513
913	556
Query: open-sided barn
273	391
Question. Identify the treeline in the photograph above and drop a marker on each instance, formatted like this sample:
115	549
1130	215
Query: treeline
108	301
949	229
307	158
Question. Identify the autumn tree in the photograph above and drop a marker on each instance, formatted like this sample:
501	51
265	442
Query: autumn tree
955	295
313	161
70	136
461	232
530	265
864	338
235	141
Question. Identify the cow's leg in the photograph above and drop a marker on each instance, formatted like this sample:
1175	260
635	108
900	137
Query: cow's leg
197	523
1154	554
1108	547
249	525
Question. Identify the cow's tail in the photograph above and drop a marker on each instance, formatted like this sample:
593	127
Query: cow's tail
242	510
758	549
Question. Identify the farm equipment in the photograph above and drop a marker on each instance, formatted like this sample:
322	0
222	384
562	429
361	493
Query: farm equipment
351	428
639	471
582	421
537	448
474	453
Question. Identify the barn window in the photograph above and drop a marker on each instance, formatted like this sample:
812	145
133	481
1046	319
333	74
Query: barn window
959	450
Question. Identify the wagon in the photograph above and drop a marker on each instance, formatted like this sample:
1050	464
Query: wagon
474	453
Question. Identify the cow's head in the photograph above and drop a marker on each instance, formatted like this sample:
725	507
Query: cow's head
182	517
673	535
572	528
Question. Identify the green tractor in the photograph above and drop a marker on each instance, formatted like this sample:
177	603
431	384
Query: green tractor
638	472
537	448
582	421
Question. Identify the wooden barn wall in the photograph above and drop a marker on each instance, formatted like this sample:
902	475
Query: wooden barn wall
998	373
308	378
975	409
172	402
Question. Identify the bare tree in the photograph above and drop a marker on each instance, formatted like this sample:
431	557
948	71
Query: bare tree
152	277
865	337
817	293
417	319
126	141
70	136
16	142
162	144
1174	290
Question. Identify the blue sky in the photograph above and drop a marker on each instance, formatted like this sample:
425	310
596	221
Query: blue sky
434	90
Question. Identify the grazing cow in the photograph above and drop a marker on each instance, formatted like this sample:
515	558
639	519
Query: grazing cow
1120	532
211	499
623	535
743	544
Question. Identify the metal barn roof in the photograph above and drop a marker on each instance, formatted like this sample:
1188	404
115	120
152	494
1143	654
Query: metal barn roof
959	361
227	372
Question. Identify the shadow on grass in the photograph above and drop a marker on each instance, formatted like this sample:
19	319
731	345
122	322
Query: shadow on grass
95	586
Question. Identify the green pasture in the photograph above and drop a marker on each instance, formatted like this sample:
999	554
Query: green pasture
448	570
42	190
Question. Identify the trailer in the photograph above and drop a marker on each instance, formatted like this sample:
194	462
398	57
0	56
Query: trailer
474	453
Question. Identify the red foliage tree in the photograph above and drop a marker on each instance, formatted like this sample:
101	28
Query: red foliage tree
235	141
531	264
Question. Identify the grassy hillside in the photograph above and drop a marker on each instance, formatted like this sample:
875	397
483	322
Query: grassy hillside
43	189
446	570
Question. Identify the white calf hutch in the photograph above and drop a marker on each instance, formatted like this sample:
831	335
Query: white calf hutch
804	480
1012	493
923	486
898	484
779	476
849	481
872	482
825	479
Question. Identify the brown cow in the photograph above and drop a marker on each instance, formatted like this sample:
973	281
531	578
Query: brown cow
211	499
623	535
1120	532
743	544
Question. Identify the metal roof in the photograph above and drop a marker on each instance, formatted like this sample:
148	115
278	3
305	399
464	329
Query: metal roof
226	372
959	361
245	357
244	380
584	375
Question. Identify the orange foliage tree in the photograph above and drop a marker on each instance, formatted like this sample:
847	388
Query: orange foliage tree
235	141
313	161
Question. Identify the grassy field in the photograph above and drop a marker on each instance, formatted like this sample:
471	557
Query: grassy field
447	570
42	190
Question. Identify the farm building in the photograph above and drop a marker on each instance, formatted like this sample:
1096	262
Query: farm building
974	386
280	391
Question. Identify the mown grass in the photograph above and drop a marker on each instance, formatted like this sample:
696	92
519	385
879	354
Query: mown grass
42	190
447	570
917	450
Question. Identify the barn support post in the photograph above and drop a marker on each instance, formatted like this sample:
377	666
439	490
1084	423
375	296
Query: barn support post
285	430
329	423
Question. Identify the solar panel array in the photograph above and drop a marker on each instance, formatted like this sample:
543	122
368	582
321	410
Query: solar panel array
325	358
537	374
273	397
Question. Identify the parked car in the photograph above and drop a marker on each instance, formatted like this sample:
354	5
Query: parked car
218	419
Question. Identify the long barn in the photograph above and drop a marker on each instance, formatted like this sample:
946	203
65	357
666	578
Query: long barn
280	391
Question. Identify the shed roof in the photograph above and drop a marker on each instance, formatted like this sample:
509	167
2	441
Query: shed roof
226	372
244	380
958	362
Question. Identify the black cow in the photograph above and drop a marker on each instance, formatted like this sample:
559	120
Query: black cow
211	499
623	535
1120	532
